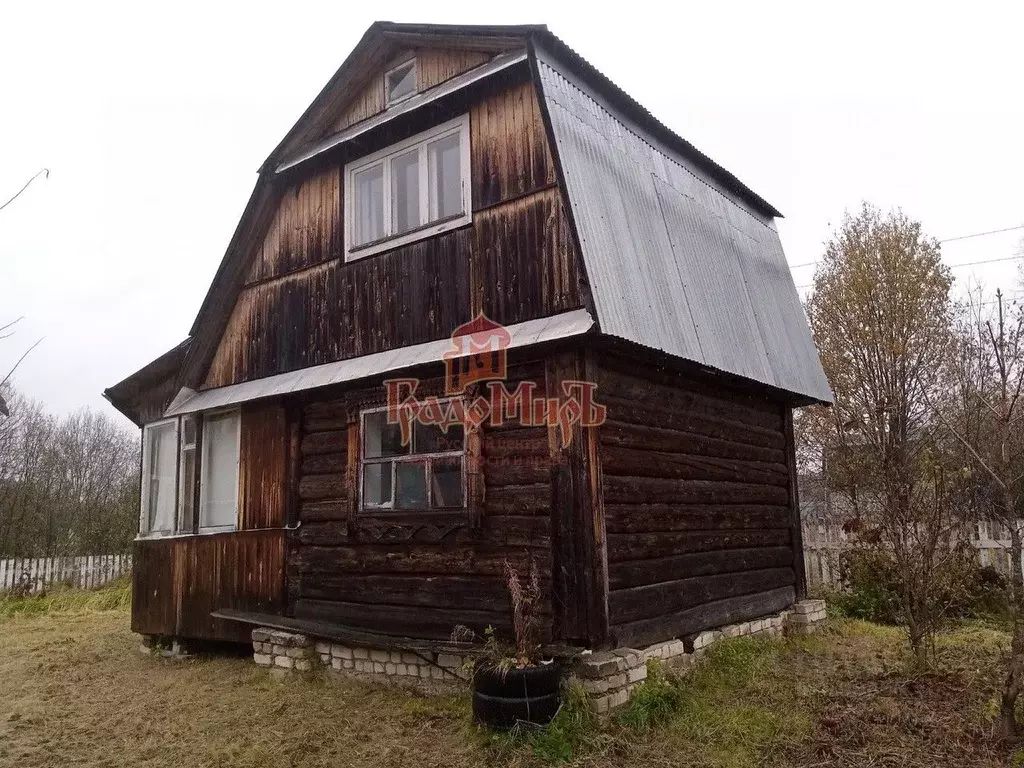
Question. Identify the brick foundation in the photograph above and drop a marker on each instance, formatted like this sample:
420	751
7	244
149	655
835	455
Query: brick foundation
287	651
609	677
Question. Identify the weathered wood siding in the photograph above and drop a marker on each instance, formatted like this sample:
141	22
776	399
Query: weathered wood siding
303	305
435	66
177	582
416	574
262	467
697	504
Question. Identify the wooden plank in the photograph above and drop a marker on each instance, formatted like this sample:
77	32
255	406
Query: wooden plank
617	460
659	438
645	546
623	575
650	518
731	610
651	490
668	597
797	542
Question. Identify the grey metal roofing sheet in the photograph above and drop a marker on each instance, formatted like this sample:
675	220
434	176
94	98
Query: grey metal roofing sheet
562	326
675	262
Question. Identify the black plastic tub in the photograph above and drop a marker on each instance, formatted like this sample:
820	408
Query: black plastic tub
529	695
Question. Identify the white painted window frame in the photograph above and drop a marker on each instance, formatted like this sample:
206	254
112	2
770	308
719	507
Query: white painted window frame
147	462
204	463
459	125
410	458
389	102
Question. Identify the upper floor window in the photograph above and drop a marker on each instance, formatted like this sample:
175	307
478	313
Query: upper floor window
188	459
411	190
427	472
400	83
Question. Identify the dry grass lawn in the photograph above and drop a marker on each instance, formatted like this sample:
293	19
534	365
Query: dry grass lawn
74	690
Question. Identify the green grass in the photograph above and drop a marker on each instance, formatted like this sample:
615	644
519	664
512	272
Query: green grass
114	596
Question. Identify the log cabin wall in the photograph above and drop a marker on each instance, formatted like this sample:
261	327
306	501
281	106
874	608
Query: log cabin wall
698	506
302	305
417	574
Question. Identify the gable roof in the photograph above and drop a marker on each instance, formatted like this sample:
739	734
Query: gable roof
685	260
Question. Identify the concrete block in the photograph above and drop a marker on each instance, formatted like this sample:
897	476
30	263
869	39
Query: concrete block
322	648
411	658
389	668
600	664
636	674
360	653
298	652
341	651
303	665
378	667
380	656
617	681
285	662
601	704
279	650
263	659
260	635
595	687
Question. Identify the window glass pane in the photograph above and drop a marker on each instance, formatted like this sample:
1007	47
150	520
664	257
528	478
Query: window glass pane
377	484
369	205
446	482
444	172
219	488
410	485
162	468
405	192
380	438
401	82
187	488
430	438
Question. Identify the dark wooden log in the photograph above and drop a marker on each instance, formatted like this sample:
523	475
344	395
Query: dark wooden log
532	499
616	460
647	437
324	534
794	505
649	518
427	559
471	592
316	511
324	463
669	597
314	487
521	441
682	395
519	470
731	610
644	546
335	441
649	414
651	490
638	572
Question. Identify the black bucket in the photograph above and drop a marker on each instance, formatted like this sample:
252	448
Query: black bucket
503	698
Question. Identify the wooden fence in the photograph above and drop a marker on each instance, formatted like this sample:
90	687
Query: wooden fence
825	542
34	575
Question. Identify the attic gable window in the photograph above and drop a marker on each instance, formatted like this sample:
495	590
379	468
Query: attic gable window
401	82
406	192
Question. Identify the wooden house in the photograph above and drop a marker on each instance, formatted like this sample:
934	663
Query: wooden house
464	217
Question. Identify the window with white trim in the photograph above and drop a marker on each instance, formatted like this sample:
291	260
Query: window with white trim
401	82
159	476
185	460
218	489
411	190
426	473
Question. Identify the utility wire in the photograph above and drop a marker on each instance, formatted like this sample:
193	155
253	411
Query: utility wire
957	266
947	240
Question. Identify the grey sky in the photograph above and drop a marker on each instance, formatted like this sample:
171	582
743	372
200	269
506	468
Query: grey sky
153	120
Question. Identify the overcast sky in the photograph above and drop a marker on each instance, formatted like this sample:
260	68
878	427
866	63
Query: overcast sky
154	118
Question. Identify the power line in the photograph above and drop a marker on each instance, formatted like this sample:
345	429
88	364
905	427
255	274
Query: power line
947	240
957	266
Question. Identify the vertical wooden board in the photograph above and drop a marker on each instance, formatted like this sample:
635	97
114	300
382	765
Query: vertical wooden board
263	465
794	504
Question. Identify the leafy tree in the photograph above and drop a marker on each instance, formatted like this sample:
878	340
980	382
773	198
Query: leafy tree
880	312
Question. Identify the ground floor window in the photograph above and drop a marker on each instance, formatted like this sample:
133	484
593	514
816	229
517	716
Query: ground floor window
425	471
190	464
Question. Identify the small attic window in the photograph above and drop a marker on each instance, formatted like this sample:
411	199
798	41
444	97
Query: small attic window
400	82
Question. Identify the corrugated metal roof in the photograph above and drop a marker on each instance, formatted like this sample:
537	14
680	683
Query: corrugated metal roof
675	262
563	326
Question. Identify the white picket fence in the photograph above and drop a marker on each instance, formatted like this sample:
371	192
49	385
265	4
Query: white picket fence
34	575
825	542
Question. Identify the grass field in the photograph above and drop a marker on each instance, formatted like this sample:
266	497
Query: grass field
74	690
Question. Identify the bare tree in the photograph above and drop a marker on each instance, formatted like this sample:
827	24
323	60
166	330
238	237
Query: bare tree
880	312
984	411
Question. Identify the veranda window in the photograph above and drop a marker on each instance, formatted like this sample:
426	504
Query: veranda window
427	473
218	489
411	190
159	476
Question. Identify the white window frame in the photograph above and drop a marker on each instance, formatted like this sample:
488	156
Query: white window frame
147	462
204	463
389	102
459	125
410	458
